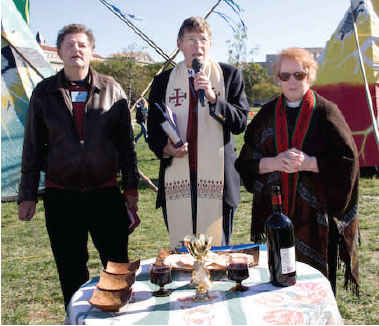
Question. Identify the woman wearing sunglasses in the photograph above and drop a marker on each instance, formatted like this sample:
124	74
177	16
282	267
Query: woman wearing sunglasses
302	142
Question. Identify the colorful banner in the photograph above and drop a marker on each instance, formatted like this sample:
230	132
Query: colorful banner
24	9
23	65
340	79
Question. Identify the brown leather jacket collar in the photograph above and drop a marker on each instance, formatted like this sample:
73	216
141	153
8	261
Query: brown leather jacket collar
61	83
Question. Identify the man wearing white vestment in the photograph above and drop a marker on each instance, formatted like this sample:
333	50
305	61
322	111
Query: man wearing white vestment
199	188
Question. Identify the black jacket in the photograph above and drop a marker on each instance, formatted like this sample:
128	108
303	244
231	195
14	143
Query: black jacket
52	144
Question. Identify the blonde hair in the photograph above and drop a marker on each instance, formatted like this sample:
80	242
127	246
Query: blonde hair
302	56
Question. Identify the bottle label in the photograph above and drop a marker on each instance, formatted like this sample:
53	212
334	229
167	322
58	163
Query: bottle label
287	256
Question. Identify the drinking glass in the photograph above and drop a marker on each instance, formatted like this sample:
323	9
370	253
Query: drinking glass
238	270
160	275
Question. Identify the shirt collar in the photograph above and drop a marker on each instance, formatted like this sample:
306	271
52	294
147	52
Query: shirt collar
293	104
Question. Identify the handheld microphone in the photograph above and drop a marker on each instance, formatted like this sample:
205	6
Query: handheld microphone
196	66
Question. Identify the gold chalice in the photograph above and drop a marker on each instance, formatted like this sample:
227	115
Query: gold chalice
198	246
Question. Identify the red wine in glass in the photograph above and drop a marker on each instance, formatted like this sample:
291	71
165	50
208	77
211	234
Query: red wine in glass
160	275
238	271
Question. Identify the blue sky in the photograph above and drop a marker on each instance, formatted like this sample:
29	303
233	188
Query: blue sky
272	24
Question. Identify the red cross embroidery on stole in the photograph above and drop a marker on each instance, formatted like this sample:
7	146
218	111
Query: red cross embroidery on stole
177	96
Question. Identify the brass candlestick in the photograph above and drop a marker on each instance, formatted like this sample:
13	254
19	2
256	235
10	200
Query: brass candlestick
198	246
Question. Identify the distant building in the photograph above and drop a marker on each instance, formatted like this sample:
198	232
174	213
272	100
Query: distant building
52	56
141	58
270	59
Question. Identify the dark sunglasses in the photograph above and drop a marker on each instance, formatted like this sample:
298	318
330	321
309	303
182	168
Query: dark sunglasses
298	75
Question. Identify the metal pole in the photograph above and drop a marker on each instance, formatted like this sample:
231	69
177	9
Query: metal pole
368	94
138	32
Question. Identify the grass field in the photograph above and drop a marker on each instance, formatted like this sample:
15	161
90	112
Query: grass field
30	291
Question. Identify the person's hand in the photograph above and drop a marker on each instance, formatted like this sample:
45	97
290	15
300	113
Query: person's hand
302	161
309	163
26	210
131	202
289	161
201	81
134	219
171	150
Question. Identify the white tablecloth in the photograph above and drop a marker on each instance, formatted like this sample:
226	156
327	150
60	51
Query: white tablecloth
309	302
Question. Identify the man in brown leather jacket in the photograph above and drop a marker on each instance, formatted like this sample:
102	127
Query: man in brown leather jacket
79	133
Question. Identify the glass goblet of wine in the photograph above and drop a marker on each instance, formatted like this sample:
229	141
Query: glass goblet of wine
160	275
238	271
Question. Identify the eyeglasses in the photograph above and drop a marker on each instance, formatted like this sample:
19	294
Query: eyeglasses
193	40
298	75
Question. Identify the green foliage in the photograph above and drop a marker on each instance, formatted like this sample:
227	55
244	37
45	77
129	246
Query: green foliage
254	74
259	86
133	78
263	92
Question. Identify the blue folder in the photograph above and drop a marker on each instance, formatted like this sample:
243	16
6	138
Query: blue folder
229	248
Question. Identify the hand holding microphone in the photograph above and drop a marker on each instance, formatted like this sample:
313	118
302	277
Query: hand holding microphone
196	66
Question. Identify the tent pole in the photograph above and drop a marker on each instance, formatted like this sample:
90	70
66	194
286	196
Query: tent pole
138	32
368	95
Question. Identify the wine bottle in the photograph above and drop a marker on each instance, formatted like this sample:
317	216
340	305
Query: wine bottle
280	244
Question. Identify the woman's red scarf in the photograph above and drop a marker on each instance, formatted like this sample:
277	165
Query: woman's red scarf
281	140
